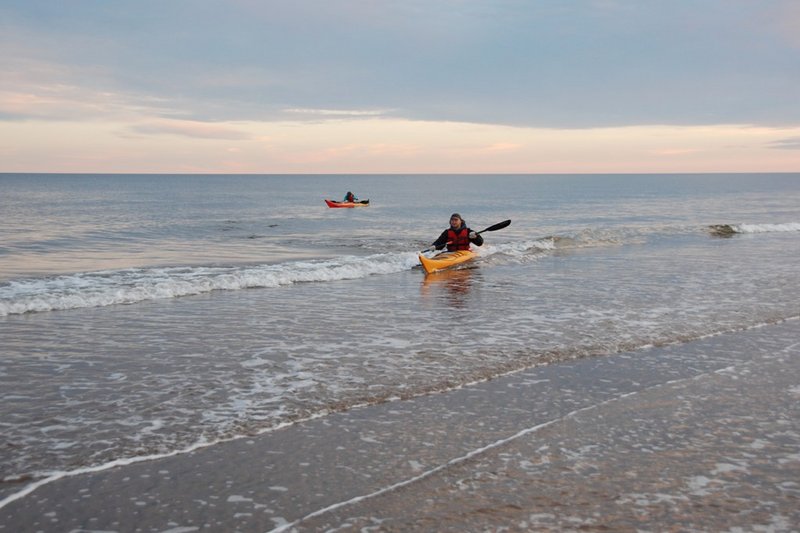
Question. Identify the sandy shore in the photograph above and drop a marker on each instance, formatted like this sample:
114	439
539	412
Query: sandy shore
703	436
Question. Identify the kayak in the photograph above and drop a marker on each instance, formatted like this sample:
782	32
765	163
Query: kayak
445	260
360	203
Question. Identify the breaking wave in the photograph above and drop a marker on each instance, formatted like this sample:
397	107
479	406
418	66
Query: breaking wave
98	289
128	286
725	230
133	285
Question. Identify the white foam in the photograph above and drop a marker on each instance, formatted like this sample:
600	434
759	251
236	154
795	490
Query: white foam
98	289
766	228
519	248
115	287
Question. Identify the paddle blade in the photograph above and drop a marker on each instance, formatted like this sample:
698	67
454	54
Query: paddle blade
499	225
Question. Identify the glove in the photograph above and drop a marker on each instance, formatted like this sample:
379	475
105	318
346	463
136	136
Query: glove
472	235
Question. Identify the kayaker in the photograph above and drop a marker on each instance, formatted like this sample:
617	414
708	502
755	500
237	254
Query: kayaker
458	236
350	197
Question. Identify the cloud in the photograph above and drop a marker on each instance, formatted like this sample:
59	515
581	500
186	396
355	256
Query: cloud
792	143
502	147
533	64
386	145
675	151
349	113
66	102
379	85
33	88
188	128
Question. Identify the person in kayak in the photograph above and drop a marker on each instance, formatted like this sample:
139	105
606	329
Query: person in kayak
350	197
458	236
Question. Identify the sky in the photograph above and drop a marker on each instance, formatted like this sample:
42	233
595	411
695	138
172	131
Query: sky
405	86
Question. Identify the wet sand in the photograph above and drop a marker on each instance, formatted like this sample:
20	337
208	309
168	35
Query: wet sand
703	436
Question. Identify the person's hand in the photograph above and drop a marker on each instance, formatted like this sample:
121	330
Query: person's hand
472	235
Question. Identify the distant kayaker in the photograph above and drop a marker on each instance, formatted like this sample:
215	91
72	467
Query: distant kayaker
350	197
458	236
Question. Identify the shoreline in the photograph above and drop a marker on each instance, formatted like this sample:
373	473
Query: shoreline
482	455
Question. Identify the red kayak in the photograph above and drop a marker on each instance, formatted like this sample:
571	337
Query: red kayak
360	203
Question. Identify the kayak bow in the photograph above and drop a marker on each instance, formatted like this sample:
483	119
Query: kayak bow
445	260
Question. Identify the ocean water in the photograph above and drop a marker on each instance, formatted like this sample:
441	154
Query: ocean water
144	315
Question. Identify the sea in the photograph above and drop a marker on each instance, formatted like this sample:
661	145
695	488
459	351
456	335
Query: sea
143	316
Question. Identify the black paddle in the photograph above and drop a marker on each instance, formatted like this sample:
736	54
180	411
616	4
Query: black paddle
494	227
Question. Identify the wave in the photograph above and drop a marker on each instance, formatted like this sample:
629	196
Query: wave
726	230
98	289
134	285
129	286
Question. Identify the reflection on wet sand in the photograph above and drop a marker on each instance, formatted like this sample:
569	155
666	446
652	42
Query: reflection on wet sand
454	284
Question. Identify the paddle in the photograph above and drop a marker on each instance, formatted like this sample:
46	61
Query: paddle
499	225
494	227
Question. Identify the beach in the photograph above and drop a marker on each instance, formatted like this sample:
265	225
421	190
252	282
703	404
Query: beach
699	436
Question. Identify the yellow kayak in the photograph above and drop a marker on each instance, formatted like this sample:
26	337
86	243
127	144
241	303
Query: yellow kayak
445	260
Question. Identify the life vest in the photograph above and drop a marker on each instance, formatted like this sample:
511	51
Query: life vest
458	240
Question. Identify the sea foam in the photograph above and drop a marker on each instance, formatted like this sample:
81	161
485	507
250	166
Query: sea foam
98	289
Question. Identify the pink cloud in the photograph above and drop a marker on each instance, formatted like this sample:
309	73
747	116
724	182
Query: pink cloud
189	128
